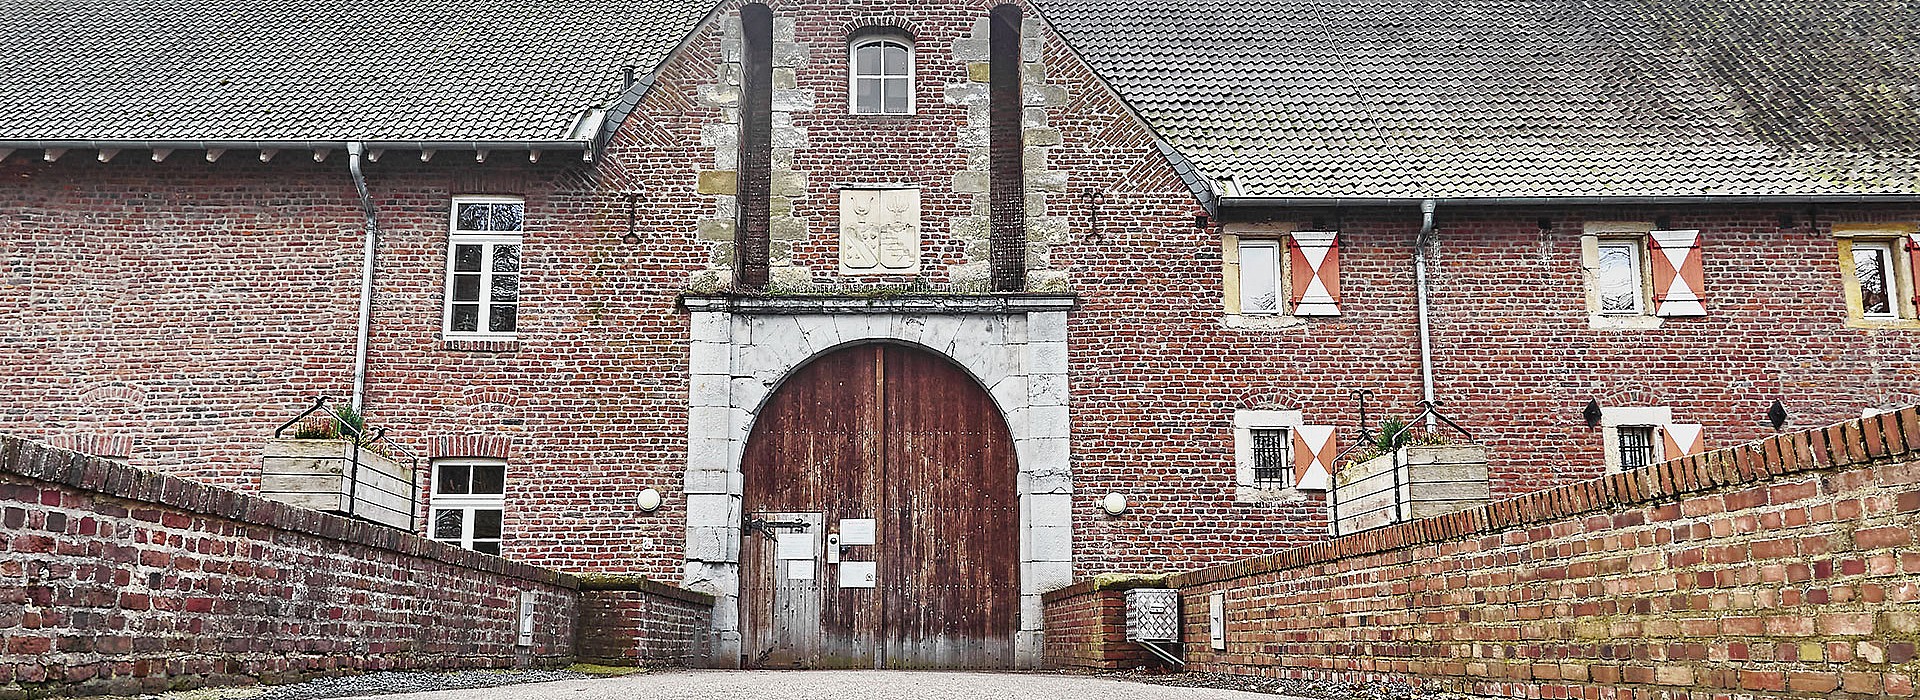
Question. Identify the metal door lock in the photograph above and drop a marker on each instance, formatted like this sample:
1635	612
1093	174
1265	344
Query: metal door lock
767	528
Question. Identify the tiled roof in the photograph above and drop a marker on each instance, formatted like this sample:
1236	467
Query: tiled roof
397	70
1520	98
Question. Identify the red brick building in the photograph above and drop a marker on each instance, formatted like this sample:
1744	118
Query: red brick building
950	270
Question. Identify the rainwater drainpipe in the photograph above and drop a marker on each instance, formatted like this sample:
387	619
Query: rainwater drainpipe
354	150
1420	283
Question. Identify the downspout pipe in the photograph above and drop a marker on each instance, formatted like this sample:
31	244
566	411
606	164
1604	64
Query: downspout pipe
355	151
1420	245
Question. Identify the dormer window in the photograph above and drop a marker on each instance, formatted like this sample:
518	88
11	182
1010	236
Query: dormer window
881	75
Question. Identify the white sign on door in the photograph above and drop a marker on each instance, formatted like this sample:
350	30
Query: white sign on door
794	545
856	574
855	531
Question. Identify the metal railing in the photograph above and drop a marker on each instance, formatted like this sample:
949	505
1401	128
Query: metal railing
359	438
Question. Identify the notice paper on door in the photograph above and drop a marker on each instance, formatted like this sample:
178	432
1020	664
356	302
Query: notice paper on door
856	574
856	531
798	570
794	545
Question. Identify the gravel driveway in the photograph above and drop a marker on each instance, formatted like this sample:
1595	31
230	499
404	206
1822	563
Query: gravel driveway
838	685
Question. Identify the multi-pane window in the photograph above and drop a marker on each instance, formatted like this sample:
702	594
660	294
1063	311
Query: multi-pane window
1873	269
1619	277
1636	446
469	498
1272	465
483	267
1259	277
882	76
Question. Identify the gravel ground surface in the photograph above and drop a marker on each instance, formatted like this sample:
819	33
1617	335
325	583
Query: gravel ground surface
376	683
839	685
1328	690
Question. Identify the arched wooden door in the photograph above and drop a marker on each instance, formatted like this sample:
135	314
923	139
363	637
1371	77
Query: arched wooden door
883	521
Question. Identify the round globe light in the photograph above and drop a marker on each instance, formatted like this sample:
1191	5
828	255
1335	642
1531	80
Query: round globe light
649	500
1114	504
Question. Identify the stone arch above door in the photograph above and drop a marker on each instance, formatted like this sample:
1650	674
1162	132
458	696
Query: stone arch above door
742	348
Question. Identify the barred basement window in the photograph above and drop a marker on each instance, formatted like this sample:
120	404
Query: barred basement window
1636	446
483	267
1272	465
469	500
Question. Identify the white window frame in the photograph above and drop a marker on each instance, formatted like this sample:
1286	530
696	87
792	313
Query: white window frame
1613	418
466	502
1637	250
1245	421
854	75
1280	285
488	240
1889	271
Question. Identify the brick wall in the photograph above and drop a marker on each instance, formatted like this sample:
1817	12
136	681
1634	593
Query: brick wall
630	621
122	581
1086	624
1779	568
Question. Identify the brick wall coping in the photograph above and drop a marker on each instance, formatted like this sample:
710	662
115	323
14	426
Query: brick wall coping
88	473
1885	437
629	582
1104	582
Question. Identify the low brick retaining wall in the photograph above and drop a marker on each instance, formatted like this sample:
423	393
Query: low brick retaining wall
1783	568
1086	624
123	581
632	621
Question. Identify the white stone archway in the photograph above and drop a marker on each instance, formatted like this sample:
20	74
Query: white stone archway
742	348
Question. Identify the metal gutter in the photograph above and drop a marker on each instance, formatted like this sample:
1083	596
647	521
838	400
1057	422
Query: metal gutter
1889	198
371	237
1420	244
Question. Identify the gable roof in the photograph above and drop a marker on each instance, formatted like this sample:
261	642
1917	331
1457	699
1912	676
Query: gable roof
1409	99
291	70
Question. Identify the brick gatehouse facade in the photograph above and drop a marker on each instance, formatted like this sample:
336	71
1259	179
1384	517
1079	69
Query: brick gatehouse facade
1144	282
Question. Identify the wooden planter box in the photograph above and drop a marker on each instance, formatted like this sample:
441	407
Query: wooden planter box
1413	482
322	475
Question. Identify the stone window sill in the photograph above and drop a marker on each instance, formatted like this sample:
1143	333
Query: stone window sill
480	345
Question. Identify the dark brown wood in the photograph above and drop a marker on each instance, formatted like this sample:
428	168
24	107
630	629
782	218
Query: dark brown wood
905	438
1006	154
753	181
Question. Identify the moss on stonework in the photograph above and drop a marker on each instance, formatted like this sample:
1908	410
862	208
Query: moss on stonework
604	670
592	580
1118	582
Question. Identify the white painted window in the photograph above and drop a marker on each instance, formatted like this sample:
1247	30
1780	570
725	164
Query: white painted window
483	268
1260	276
880	75
469	500
1874	275
1622	286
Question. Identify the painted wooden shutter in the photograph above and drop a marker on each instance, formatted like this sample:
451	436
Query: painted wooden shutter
1913	269
1678	279
1313	457
1681	439
1314	266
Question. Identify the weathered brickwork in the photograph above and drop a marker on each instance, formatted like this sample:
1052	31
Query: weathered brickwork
1779	568
1086	624
181	310
116	580
638	622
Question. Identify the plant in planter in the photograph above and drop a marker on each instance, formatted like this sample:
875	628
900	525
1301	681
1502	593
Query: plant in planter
331	461
1407	473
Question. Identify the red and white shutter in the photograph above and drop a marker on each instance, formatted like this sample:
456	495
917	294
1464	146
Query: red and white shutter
1913	269
1678	279
1313	457
1314	266
1681	439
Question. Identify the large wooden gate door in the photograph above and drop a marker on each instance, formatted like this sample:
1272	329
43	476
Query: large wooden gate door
883	521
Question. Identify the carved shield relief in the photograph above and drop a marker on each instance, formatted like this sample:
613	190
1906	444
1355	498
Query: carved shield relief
879	231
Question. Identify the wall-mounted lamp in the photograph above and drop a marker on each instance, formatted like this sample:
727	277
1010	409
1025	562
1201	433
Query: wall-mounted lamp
649	500
1114	504
1777	414
1592	413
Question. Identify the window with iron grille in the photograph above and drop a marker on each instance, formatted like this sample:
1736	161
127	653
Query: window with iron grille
1272	466
1636	446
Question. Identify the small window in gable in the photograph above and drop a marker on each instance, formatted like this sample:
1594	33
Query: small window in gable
1278	274
1637	275
1260	277
880	75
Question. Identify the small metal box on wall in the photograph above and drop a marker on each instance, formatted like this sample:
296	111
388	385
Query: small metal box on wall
1153	615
